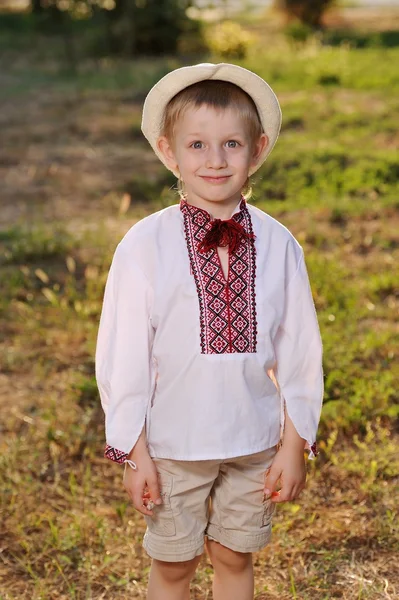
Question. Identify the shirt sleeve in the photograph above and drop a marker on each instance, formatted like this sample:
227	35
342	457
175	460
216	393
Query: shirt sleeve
298	348
123	354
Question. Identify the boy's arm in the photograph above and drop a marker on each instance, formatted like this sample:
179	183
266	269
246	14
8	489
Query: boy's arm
299	377
291	438
122	362
140	445
288	467
298	369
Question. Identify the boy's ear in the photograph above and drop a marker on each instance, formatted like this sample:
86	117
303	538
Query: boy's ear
260	145
165	148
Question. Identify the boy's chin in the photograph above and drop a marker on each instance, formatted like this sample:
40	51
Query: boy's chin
218	198
217	194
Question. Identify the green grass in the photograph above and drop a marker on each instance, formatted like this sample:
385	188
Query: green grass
34	244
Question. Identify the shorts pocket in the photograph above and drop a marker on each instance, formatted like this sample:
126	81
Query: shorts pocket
267	512
163	522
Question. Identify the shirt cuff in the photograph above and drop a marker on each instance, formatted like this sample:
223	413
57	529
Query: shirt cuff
118	456
313	450
114	454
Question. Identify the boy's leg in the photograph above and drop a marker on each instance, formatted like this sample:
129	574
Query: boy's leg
233	572
240	523
175	534
171	580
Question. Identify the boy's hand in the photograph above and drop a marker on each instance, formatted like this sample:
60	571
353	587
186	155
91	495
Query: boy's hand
142	485
289	467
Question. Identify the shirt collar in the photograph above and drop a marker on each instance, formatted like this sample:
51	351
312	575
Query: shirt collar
202	216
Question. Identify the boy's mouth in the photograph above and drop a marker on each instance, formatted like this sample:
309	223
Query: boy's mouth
213	179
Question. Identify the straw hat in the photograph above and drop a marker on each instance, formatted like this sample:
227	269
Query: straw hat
262	94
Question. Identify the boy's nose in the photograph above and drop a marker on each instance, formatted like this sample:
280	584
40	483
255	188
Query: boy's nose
216	159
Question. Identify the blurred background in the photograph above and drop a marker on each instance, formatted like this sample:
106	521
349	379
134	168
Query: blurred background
76	174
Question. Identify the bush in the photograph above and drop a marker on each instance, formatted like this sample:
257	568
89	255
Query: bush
229	40
298	32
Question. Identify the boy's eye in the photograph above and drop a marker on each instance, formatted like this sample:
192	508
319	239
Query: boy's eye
232	144
196	145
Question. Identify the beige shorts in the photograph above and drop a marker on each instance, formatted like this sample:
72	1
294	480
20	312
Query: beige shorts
220	499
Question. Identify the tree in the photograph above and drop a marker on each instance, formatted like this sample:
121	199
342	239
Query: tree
147	26
132	26
309	12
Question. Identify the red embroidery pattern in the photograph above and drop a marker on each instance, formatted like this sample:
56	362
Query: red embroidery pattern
114	454
314	449
227	309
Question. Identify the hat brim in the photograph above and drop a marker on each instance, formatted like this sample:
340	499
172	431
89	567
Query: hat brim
171	84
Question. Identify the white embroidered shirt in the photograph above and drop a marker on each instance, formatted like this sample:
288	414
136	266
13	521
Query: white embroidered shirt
188	354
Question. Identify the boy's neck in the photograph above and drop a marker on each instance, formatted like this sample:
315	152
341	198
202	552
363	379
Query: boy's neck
223	209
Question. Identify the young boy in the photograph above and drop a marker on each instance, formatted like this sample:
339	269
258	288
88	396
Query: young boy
209	356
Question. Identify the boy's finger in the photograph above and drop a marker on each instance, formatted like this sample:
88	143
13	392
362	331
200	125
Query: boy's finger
286	494
271	482
155	495
138	503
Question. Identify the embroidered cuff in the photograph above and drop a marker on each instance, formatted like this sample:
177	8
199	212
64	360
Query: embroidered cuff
313	450
114	454
118	456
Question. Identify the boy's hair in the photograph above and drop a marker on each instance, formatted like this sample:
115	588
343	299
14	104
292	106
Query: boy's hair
217	94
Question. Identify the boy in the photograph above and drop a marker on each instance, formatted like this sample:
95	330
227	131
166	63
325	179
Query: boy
209	356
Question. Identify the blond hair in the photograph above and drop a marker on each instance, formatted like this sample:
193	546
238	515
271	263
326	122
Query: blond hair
216	94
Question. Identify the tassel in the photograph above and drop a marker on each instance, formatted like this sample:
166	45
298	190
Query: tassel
224	233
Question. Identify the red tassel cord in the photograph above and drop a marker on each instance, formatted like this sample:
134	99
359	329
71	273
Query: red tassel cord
224	233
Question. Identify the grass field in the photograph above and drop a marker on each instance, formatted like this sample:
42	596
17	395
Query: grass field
76	175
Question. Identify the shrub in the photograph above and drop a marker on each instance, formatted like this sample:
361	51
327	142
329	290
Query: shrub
297	31
229	40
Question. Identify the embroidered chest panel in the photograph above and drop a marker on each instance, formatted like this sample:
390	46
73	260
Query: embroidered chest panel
227	308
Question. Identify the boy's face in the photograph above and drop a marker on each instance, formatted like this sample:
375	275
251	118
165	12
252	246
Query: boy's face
213	153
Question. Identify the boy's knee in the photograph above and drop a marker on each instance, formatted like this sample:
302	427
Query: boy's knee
229	559
175	572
